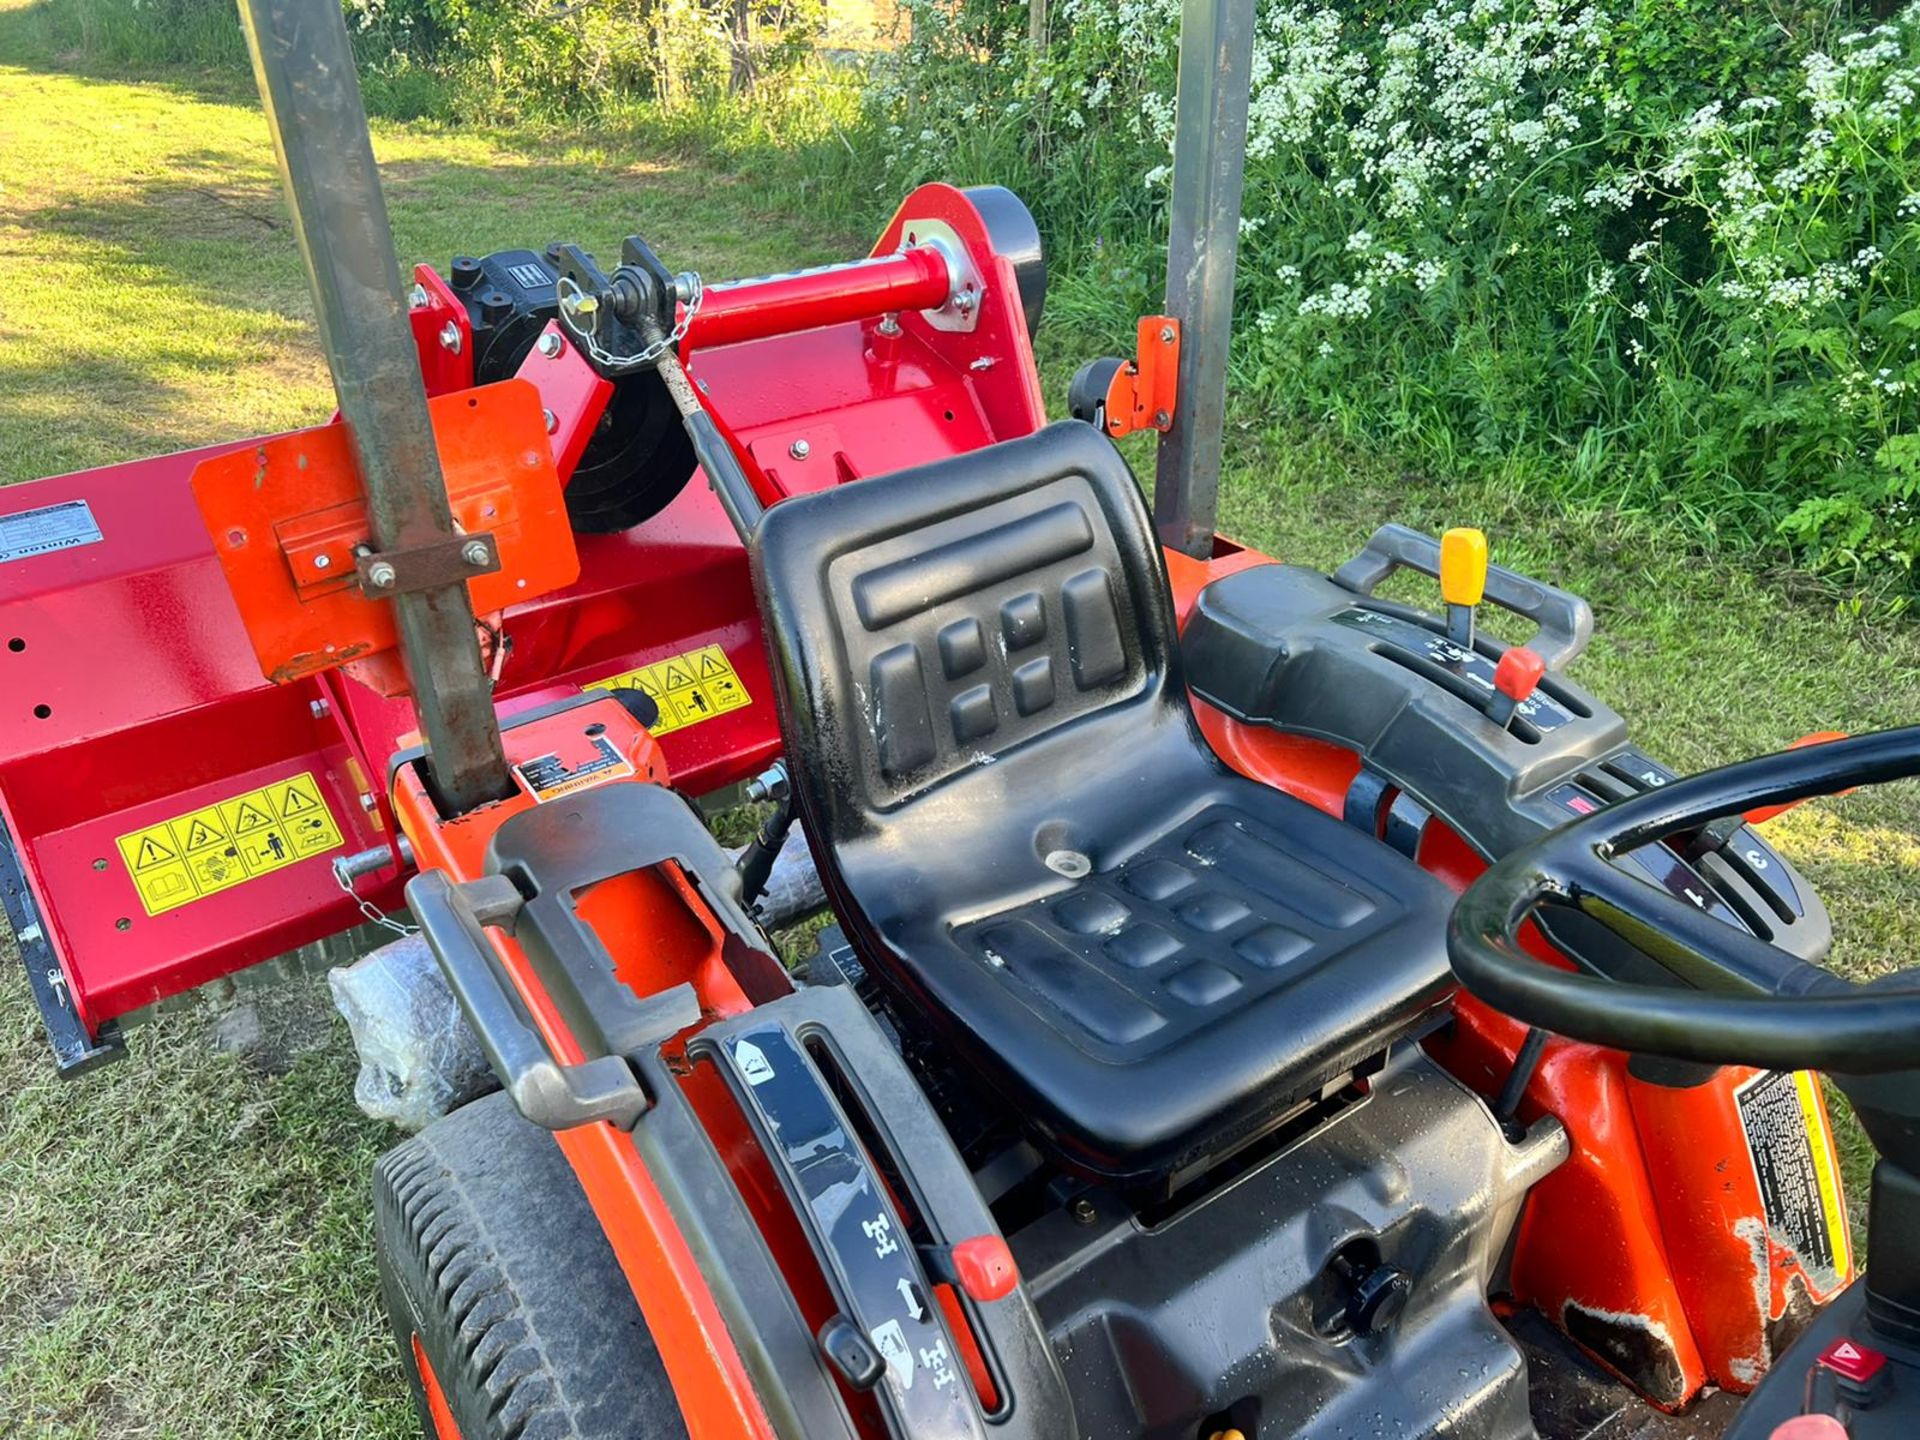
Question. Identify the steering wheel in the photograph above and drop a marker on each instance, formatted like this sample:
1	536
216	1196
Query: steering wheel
1736	999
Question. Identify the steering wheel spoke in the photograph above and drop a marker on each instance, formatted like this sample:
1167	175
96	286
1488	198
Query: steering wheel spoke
1676	934
1739	1000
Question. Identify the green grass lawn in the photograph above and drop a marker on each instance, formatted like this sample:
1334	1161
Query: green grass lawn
183	1239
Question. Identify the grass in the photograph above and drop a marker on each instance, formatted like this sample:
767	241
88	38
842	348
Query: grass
183	1239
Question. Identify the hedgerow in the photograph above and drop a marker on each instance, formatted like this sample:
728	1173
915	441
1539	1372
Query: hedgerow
1654	254
1666	249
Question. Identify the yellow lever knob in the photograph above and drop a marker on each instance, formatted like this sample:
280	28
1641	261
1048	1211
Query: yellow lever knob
1463	566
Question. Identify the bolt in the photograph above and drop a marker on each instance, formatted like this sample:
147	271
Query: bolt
553	420
366	801
889	325
123	923
963	302
1083	1211
100	864
381	574
450	337
685	286
320	709
769	784
1166	334
475	553
1162	419
417	297
551	345
799	450
322	561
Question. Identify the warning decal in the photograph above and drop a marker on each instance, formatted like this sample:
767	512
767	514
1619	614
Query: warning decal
1793	1161
206	851
549	777
688	688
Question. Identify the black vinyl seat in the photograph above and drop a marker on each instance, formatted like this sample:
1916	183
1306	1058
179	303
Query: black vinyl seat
1028	839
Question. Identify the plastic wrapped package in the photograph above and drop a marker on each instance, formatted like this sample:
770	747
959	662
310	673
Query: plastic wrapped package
419	1059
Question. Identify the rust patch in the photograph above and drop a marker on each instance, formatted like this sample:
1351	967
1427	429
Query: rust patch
310	662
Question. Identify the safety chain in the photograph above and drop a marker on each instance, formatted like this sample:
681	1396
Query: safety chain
372	911
574	300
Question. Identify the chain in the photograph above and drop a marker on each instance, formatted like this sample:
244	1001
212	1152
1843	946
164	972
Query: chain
372	911
571	296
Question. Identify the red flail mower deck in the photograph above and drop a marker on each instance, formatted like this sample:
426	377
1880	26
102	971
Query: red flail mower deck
175	815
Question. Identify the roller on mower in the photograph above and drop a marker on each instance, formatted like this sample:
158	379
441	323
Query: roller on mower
1252	1007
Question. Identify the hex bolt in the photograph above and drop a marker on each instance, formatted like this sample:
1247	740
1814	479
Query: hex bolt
800	449
553	420
889	325
1166	334
475	553
320	709
963	302
769	784
1162	419
417	297
322	561
381	574
1083	1211
550	345
450	337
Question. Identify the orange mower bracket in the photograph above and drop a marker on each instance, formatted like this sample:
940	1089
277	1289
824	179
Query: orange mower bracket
289	527
1143	393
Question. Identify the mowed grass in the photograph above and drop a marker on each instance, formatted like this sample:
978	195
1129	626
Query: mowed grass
183	1241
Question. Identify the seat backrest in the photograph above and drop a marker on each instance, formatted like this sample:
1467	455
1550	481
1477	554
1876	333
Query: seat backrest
927	625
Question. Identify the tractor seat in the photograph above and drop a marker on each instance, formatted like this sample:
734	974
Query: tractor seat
1149	957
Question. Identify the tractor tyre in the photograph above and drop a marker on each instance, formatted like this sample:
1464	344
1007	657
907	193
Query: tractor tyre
513	1319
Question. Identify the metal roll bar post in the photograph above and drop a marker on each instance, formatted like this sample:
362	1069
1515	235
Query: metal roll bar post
304	66
1209	162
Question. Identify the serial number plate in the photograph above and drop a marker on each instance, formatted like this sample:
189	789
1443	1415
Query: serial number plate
65	526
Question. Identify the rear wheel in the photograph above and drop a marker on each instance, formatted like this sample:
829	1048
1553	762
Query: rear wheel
514	1321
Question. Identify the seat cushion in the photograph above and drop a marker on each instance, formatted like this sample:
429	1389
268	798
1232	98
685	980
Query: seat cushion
1147	1015
1147	956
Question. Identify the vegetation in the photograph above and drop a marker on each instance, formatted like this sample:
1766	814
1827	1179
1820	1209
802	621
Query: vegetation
183	1248
1662	252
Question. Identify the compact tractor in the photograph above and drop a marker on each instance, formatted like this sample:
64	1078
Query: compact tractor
1251	1006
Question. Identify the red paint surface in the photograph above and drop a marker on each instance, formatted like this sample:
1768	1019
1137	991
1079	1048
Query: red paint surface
154	696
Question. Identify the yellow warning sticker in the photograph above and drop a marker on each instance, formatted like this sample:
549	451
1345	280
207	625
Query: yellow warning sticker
206	851
688	688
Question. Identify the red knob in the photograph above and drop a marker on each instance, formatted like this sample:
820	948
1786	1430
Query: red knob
984	1268
1518	673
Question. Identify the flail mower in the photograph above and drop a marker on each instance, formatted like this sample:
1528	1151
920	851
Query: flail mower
1252	1007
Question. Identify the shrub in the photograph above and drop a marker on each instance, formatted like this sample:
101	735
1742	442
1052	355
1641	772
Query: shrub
1666	246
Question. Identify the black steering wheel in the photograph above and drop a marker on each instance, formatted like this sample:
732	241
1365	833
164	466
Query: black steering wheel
1736	999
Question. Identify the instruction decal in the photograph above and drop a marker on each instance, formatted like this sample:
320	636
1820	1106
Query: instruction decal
223	845
688	688
65	526
549	777
1793	1161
